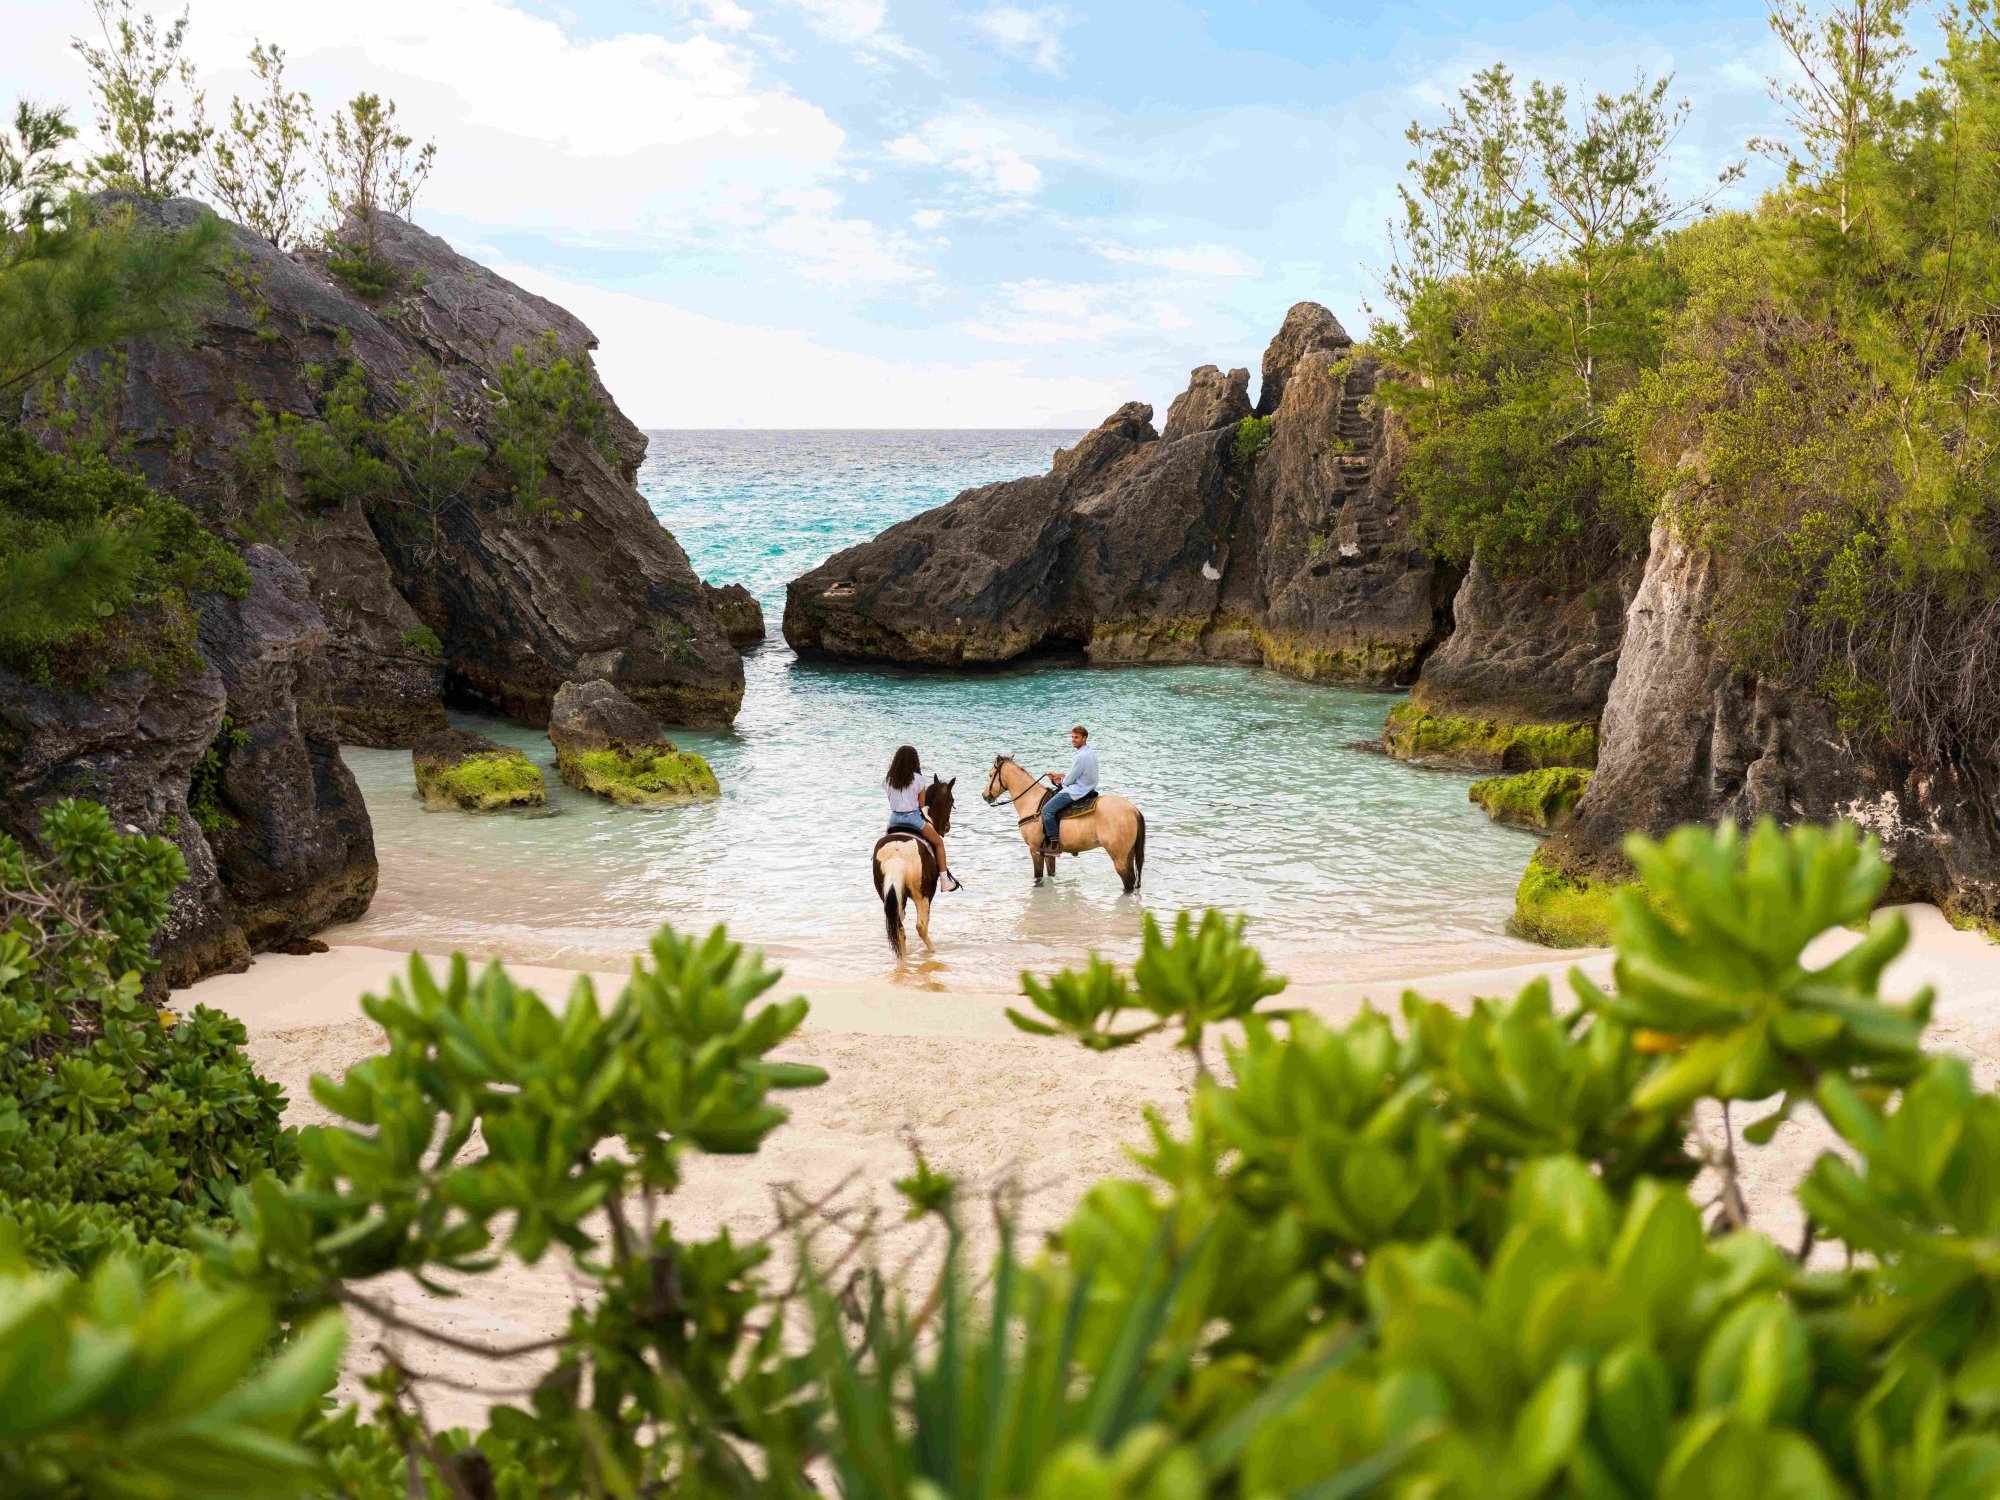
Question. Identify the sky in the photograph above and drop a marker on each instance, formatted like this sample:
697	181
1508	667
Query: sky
933	213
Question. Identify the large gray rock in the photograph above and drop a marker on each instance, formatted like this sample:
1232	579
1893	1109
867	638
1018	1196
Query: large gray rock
1689	737
741	615
1142	546
505	606
1211	400
1530	650
1308	328
596	716
278	843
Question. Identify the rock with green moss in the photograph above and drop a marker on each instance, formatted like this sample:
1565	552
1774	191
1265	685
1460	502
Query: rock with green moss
1413	733
641	778
457	768
1543	800
610	747
1561	910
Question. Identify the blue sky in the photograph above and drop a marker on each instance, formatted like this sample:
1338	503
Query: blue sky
783	213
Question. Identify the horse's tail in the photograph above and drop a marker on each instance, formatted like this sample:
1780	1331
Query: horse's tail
891	881
1137	866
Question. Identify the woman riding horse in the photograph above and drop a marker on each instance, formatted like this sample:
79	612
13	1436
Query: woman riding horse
908	812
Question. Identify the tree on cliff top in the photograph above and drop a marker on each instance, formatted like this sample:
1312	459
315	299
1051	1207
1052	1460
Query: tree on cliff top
1527	284
149	113
372	168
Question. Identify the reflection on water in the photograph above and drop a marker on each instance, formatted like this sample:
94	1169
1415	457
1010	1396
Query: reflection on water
1348	864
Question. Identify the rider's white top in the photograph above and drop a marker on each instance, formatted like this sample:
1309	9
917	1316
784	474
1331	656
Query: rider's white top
1082	778
907	799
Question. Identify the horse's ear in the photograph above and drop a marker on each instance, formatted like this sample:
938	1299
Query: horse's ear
952	782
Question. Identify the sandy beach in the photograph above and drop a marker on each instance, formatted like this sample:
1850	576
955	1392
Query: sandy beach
947	1070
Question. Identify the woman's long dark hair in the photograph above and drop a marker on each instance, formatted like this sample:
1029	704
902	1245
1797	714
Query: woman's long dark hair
904	768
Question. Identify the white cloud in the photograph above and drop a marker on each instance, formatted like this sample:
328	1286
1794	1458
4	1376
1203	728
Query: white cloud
860	24
1034	36
928	218
1189	260
1058	313
728	375
997	157
839	251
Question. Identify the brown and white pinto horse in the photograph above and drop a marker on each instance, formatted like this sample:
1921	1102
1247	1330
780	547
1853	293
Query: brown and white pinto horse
1110	823
906	869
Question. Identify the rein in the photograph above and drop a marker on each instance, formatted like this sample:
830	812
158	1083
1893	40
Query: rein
1015	797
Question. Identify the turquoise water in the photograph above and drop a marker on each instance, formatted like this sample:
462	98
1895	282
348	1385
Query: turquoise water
1346	863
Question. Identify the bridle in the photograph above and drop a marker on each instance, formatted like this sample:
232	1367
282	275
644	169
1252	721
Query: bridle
992	799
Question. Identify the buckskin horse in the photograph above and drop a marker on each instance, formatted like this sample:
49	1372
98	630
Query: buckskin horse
1101	822
906	870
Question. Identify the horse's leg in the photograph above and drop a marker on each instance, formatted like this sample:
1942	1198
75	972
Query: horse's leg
924	923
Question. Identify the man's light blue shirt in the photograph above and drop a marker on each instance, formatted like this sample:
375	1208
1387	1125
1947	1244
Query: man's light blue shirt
1082	778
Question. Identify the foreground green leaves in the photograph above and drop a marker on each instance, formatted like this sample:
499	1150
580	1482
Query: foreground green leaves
1450	1256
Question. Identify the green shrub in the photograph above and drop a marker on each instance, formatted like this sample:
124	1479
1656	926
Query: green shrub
482	783
1253	436
1414	733
543	401
122	1124
205	781
114	1388
640	778
95	568
1562	910
1541	799
1454	1257
423	641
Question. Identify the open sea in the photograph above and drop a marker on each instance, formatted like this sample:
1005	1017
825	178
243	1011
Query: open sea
1348	865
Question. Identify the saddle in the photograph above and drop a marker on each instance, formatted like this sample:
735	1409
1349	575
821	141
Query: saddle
1086	803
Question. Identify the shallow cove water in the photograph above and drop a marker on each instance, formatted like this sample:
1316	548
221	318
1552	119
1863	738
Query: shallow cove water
1348	864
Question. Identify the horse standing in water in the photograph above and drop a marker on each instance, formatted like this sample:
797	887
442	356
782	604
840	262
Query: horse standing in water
906	869
1108	823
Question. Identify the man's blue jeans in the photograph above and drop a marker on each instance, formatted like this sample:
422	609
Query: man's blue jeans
1052	810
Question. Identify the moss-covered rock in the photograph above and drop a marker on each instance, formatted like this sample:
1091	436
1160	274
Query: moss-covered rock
1413	733
1560	910
609	746
457	768
645	777
1543	800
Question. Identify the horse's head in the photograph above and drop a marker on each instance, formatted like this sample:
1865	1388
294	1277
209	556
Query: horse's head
937	800
996	784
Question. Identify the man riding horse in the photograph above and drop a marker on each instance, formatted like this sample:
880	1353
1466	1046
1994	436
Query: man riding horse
1071	788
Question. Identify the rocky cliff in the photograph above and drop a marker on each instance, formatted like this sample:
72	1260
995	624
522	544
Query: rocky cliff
1529	650
236	760
1278	541
1688	737
439	583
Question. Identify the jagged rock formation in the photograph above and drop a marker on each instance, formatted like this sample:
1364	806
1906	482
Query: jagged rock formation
741	615
487	603
1174	546
1688	737
237	762
1520	681
1528	651
609	746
